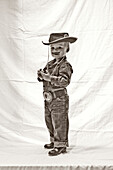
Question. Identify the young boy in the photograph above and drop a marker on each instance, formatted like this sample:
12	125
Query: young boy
56	77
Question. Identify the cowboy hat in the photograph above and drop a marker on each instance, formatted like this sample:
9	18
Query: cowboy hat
60	37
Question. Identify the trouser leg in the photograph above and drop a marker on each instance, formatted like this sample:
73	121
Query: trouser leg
60	121
48	121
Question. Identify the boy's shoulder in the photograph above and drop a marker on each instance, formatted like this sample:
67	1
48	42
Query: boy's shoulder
67	65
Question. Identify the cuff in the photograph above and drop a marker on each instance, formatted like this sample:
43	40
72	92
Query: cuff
61	144
53	79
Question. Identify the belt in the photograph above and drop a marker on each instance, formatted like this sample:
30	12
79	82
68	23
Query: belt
50	95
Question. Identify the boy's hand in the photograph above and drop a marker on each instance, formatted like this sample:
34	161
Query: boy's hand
45	76
39	74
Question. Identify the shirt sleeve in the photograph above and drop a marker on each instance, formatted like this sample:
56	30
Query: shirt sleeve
64	77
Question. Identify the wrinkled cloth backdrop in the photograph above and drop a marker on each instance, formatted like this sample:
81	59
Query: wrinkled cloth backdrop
23	27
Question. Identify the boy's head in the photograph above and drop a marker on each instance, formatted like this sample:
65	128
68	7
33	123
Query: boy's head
60	49
59	43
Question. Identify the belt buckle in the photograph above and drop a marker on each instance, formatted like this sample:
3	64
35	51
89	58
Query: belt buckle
47	96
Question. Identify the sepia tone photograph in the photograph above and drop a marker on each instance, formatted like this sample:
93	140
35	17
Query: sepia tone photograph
56	84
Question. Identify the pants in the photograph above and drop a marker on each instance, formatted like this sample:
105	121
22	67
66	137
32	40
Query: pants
56	118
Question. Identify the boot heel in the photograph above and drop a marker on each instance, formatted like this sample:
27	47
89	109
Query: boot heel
64	150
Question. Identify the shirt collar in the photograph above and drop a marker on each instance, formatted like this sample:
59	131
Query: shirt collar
60	59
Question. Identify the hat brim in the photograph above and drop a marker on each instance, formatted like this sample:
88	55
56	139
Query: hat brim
65	39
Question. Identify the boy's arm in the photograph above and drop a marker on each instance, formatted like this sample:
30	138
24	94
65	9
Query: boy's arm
64	77
65	72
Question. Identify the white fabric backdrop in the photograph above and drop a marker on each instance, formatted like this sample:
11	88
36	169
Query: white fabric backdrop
23	25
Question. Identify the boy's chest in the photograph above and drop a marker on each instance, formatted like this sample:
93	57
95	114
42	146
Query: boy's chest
54	69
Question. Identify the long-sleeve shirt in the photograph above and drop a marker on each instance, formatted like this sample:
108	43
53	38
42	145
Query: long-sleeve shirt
60	74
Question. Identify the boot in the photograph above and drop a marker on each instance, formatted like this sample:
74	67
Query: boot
56	151
49	146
